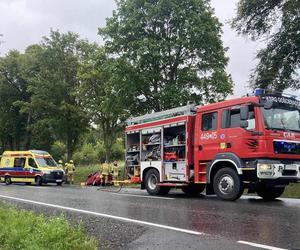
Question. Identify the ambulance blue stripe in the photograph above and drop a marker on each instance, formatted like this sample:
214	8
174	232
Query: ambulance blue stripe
19	169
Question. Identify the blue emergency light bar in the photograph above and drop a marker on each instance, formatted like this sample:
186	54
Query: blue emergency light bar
259	92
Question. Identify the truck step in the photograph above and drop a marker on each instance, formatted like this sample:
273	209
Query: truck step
170	184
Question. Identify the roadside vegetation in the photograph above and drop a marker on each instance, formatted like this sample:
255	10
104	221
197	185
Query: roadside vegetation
20	229
292	191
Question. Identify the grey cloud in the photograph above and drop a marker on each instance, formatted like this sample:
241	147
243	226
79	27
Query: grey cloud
24	22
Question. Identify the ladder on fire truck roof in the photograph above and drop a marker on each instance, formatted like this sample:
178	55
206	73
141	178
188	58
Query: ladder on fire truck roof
184	110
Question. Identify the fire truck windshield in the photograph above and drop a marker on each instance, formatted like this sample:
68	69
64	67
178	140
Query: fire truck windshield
282	118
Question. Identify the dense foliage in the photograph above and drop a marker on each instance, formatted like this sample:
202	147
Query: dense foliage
71	97
174	50
277	22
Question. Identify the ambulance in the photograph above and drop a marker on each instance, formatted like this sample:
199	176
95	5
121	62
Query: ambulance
33	166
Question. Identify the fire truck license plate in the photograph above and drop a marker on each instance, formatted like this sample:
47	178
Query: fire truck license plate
290	167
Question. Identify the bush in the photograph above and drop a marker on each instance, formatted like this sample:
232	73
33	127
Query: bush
86	155
91	154
58	151
27	230
118	150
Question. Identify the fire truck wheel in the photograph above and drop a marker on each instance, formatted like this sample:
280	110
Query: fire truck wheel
151	179
227	184
7	180
38	181
193	189
270	193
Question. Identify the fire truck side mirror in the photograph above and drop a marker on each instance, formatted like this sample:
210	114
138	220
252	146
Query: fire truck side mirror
244	124
244	114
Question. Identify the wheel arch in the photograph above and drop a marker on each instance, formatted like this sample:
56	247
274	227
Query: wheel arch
144	172
217	164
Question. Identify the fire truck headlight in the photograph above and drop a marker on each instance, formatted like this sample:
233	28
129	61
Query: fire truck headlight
265	169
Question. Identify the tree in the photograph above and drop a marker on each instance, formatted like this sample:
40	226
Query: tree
101	95
277	22
13	89
173	50
54	89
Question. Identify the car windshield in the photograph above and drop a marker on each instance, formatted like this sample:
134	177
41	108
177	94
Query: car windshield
282	118
46	162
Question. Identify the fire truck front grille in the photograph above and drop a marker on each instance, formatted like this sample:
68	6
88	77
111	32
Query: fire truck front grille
289	172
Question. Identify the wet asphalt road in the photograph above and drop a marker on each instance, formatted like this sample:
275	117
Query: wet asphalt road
213	224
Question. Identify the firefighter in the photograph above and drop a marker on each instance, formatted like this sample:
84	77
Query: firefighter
115	171
104	172
71	171
66	172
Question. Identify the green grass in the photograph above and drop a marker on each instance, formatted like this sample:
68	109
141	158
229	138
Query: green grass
292	191
82	172
20	229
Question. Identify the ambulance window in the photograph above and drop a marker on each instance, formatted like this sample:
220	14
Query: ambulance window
19	162
32	163
209	121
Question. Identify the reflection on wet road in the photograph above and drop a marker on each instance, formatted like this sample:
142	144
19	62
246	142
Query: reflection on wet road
249	219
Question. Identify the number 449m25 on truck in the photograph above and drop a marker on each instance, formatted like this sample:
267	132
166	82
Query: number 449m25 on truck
251	142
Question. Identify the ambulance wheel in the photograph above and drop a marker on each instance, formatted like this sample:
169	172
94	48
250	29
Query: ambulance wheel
193	189
151	180
7	180
38	181
227	184
269	193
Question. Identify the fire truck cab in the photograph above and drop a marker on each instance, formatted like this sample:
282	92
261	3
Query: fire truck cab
249	143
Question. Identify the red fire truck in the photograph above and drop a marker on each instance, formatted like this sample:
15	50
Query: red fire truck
250	143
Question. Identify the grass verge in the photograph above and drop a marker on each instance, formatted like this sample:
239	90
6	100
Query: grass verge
20	229
292	191
82	172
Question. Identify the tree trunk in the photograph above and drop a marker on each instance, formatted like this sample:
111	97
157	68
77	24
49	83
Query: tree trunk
70	148
28	131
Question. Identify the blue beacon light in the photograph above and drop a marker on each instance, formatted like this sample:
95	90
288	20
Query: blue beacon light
258	92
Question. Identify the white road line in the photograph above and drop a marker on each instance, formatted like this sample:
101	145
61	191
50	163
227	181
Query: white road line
182	230
260	245
144	196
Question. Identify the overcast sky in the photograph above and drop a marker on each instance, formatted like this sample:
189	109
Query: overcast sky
25	22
